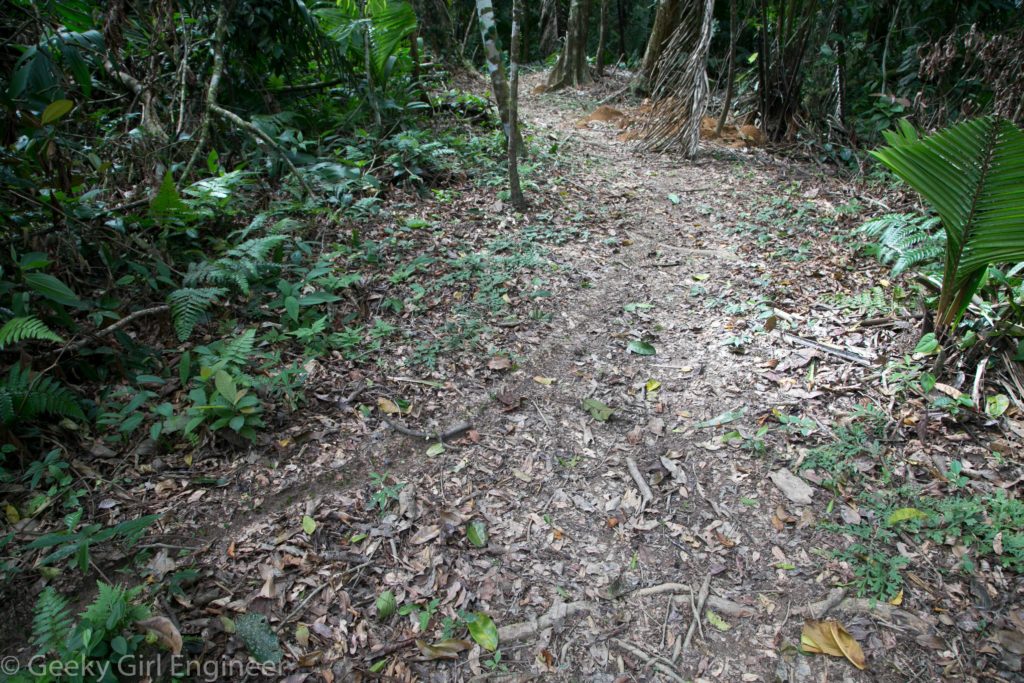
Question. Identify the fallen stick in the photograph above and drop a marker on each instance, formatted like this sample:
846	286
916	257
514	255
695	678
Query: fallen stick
452	432
881	610
829	349
698	607
650	660
661	588
646	496
557	612
109	329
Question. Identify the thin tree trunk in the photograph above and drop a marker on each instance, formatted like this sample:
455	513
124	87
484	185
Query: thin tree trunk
730	78
622	28
762	66
495	65
219	35
665	21
515	189
571	68
601	37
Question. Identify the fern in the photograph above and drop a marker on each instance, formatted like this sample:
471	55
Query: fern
905	240
51	623
26	328
187	304
240	266
112	610
23	396
228	355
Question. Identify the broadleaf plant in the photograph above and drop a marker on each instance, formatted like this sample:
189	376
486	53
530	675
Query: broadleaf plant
972	174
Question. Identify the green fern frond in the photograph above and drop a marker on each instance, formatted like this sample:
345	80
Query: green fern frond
238	351
187	304
51	623
26	328
240	266
906	240
24	396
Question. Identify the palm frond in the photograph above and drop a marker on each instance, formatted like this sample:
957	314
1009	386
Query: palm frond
972	174
682	87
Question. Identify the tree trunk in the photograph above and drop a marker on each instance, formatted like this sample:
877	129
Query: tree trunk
665	21
601	37
622	28
515	189
571	68
495	65
730	79
548	27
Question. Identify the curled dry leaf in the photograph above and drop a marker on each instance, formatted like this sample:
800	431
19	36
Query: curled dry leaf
166	632
830	638
445	649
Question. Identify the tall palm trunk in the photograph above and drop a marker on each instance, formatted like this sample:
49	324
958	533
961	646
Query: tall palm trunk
665	21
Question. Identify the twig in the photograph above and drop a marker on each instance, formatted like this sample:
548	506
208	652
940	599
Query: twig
649	660
661	588
258	133
219	40
698	607
829	349
109	329
301	605
452	432
646	496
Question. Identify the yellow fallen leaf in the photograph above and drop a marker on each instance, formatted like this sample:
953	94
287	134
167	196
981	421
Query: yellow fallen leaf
848	644
12	514
546	381
831	638
388	407
652	385
898	600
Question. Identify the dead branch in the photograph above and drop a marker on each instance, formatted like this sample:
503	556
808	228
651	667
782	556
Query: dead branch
652	661
258	133
558	612
646	496
219	36
110	329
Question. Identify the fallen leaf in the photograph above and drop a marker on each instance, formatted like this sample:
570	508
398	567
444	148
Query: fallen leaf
831	638
165	631
388	407
641	348
308	524
546	381
904	514
436	449
599	411
476	532
717	621
500	363
484	632
794	488
724	418
445	649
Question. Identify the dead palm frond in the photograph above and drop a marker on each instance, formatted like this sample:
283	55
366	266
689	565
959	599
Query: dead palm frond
680	95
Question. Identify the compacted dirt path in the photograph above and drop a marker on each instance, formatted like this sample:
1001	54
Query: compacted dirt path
594	508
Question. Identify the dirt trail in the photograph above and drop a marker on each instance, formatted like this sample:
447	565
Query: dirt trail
568	523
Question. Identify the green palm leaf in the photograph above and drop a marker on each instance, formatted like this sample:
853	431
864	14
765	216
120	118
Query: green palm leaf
973	176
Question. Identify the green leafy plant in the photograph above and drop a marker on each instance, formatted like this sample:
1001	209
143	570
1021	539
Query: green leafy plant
385	494
971	175
77	542
94	644
905	240
25	395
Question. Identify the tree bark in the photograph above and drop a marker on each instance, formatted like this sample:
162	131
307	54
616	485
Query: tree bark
601	37
548	27
219	36
571	68
515	188
665	21
495	65
622	28
730	78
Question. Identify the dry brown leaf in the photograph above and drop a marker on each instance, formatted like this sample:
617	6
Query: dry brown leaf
166	632
500	363
388	407
831	638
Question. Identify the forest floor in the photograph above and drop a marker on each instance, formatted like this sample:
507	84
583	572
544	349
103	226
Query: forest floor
699	333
